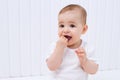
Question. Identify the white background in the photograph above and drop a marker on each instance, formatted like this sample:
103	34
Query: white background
27	27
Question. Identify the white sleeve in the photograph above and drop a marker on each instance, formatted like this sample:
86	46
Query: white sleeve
91	54
50	50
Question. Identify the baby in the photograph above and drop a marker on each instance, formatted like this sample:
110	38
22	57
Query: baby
71	58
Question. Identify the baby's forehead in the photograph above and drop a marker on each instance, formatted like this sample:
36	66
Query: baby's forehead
74	12
77	10
70	13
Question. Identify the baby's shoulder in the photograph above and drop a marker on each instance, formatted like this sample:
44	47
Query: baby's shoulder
88	46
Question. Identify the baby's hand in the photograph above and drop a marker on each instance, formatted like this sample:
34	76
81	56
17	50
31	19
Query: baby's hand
81	55
62	42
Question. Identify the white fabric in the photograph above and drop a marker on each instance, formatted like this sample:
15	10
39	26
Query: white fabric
70	68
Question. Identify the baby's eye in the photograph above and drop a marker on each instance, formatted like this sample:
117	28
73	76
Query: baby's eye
61	26
72	25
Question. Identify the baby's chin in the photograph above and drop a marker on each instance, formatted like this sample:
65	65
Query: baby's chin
72	44
69	44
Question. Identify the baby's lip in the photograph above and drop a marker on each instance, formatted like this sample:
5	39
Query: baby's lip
68	37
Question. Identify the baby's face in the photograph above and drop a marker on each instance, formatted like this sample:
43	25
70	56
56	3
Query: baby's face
70	26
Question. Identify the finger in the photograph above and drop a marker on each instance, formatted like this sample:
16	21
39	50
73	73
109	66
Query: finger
64	39
79	53
81	56
79	50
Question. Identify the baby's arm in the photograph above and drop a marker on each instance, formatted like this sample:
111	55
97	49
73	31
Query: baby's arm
88	66
54	61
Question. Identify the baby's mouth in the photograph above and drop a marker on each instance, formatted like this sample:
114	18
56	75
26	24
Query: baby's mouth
68	37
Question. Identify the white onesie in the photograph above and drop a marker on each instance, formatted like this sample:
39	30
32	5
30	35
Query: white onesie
70	68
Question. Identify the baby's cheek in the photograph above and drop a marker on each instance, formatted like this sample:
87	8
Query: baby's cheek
59	34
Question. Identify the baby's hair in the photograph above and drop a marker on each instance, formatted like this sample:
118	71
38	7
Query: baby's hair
73	7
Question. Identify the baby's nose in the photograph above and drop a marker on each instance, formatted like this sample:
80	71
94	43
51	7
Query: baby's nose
66	30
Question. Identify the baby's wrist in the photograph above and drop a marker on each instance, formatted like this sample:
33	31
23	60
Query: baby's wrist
84	62
60	45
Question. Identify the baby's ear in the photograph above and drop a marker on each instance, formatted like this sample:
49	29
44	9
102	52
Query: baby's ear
85	28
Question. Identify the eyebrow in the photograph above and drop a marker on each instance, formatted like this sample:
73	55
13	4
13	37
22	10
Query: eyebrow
71	22
60	22
68	22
